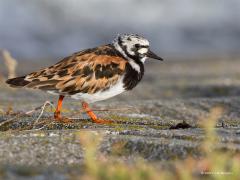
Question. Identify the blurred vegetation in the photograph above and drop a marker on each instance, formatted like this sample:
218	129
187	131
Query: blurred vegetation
215	164
9	62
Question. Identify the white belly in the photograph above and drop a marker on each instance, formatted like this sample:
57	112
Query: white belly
118	88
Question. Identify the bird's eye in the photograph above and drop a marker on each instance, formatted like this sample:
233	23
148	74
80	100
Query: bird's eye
137	46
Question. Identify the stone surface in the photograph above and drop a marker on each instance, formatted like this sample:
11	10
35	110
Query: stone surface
171	93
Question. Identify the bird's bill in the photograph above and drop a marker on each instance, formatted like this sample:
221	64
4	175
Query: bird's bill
152	55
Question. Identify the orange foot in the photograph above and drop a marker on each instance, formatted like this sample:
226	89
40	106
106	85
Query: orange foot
93	116
60	119
57	114
64	120
102	121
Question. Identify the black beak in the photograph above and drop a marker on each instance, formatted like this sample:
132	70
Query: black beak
152	55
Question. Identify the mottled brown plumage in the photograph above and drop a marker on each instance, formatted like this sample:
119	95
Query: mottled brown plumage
87	71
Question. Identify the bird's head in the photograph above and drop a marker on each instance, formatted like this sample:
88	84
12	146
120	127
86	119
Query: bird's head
134	47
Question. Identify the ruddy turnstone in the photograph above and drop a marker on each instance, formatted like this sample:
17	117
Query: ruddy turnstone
93	74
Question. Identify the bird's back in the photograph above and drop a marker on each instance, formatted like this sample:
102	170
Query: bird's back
87	71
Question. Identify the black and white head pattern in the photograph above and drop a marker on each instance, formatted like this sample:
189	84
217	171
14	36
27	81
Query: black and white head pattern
132	46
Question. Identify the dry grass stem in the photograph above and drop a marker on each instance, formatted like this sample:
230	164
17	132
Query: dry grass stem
42	108
10	63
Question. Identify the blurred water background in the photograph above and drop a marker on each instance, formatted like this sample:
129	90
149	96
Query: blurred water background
34	29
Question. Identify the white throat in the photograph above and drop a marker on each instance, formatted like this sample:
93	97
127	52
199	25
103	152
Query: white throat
143	59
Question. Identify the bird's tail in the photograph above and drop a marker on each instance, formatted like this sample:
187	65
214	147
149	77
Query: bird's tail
17	82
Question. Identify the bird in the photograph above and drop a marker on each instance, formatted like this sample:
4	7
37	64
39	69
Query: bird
93	74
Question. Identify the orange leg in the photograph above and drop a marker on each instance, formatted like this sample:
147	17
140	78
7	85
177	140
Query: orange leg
57	113
93	116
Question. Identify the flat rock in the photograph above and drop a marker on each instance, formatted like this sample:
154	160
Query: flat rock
148	122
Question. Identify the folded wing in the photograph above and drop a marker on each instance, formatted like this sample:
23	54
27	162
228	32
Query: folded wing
87	71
